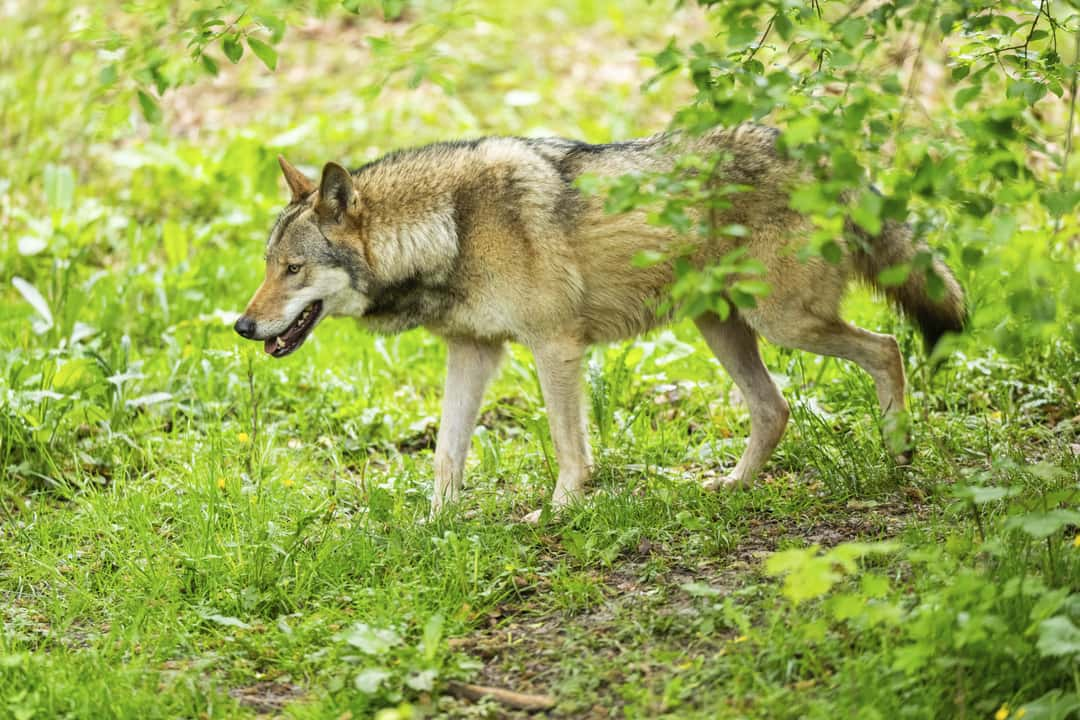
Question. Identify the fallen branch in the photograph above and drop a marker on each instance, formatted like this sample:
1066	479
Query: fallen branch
519	701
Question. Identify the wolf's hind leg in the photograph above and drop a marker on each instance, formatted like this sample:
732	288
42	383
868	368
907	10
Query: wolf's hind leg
558	363
735	346
470	364
878	355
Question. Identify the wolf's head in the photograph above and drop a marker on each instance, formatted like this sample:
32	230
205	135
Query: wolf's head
314	264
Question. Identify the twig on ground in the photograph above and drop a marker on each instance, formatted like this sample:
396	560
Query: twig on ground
509	698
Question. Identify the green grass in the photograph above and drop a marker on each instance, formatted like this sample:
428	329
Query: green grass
191	529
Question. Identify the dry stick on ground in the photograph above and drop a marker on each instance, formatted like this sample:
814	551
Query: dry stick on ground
509	698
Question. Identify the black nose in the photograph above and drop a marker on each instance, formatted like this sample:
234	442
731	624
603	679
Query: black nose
245	326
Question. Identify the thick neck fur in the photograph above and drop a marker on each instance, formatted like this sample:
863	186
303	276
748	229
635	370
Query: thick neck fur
411	244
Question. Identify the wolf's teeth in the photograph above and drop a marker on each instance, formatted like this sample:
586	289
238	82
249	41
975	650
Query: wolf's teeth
279	342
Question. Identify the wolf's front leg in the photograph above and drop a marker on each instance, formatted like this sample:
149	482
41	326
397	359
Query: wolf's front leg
558	364
470	364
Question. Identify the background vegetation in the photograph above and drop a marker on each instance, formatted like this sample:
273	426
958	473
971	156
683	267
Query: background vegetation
190	529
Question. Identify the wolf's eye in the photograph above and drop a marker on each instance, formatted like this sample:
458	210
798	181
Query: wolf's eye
293	269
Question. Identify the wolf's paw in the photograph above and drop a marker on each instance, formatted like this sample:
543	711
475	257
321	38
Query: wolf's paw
436	510
723	483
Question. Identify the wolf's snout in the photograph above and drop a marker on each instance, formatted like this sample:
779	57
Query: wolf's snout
245	326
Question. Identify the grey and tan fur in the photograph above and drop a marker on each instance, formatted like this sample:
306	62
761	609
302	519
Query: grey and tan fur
488	241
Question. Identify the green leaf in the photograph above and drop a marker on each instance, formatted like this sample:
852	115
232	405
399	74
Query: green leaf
433	630
867	214
966	95
832	252
150	109
847	606
274	24
227	621
894	276
971	255
935	285
648	258
368	681
108	75
669	58
742	32
209	64
264	52
741	299
892	85
36	301
1041	525
698	589
801	130
1054	705
807	574
1060	203
757	288
874	585
59	183
1029	90
1058	636
234	50
392	9
696	305
982	494
379	45
852	30
422	681
373	641
75	374
783	26
175	242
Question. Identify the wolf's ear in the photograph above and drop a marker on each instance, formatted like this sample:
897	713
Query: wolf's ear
299	184
337	194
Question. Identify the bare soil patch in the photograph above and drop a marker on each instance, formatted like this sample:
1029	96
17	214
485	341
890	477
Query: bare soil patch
524	645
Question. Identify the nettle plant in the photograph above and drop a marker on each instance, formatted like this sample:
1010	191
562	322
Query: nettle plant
961	114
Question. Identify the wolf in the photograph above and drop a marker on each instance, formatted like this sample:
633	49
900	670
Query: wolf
489	241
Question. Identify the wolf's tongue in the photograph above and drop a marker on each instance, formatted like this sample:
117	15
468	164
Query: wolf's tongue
269	345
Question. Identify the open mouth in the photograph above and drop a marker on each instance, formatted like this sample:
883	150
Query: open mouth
294	335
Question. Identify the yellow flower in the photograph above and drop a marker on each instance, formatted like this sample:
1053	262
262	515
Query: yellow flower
221	484
996	415
1076	541
1020	713
287	482
1002	713
741	638
243	437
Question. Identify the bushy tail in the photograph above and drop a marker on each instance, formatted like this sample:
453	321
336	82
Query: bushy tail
894	246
